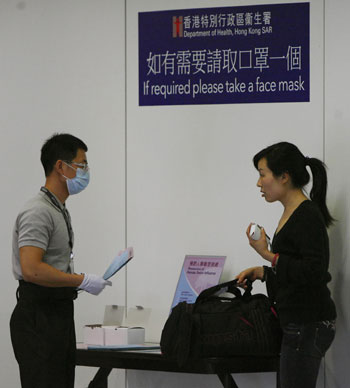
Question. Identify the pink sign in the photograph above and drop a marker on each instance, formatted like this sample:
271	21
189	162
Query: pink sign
198	273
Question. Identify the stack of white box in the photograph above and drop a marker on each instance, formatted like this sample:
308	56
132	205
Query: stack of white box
118	329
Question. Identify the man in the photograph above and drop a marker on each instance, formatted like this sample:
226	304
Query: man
42	324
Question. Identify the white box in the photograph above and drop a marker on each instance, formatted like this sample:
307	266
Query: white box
137	316
94	335
114	315
118	329
115	335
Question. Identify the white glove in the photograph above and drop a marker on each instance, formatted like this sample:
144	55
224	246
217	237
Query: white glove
94	284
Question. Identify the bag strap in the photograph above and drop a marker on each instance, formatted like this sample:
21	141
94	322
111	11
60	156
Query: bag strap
228	287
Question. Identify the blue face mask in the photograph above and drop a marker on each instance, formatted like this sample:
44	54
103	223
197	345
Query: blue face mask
79	182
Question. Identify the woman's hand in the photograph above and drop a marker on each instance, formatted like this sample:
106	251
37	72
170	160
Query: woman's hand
252	274
260	245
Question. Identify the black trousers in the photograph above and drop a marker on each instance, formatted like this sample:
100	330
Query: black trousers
43	336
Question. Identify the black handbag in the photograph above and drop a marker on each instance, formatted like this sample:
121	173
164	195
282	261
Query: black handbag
220	326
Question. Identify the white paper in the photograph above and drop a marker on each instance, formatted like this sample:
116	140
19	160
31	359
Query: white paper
119	261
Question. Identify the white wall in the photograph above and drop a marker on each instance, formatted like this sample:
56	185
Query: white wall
337	143
62	69
193	165
190	186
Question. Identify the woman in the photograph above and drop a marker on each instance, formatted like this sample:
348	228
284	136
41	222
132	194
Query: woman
298	275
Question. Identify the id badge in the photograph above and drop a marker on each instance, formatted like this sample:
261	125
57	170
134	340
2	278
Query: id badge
71	262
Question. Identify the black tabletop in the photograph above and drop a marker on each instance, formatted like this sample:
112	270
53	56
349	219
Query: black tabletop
154	360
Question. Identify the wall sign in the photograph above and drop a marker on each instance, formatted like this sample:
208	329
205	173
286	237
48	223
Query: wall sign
245	54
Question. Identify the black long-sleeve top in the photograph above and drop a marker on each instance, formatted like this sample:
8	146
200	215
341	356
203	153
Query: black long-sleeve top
299	283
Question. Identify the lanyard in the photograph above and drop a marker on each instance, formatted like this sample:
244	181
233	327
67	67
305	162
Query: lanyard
65	216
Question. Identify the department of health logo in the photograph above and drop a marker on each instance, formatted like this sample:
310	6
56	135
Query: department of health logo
178	27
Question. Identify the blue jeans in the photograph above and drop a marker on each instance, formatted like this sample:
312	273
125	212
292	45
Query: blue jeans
303	347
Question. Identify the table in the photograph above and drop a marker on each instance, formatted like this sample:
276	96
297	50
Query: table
106	360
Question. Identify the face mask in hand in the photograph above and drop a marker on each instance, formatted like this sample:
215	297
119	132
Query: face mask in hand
79	182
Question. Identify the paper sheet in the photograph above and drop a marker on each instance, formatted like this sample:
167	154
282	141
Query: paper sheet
119	261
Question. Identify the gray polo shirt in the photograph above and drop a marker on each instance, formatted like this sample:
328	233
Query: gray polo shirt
41	224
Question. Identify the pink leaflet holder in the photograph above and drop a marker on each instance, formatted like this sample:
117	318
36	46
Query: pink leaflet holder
198	273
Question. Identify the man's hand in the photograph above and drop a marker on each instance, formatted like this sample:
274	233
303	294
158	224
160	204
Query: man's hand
94	284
